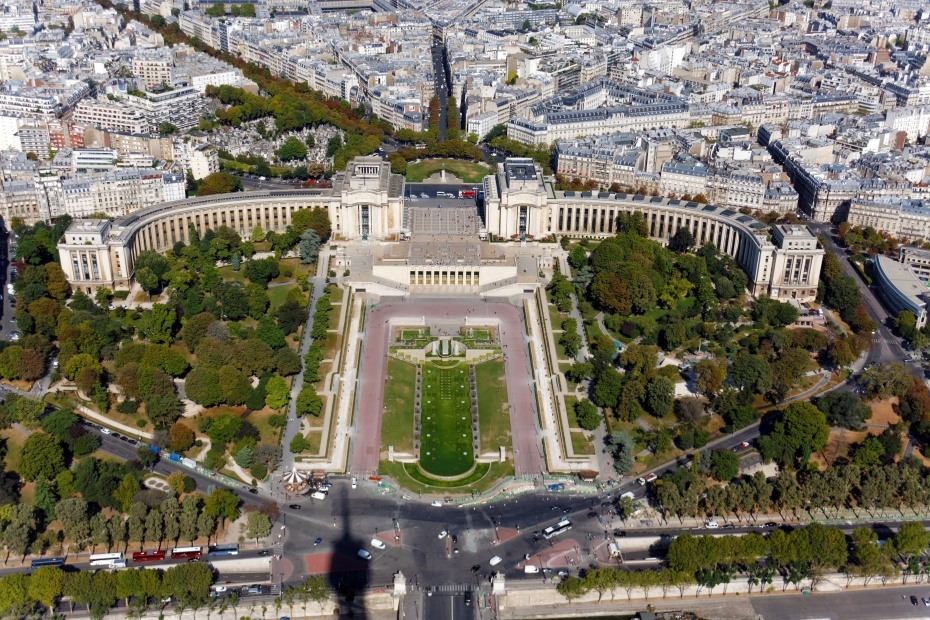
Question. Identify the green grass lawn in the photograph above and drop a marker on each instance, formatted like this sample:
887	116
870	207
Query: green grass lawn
413	334
493	417
570	411
330	346
337	298
315	439
227	273
397	424
479	335
445	437
580	444
571	386
483	478
469	172
277	295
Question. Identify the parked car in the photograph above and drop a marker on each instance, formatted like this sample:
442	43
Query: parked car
443	534
712	525
294	506
378	544
496	560
364	554
436	503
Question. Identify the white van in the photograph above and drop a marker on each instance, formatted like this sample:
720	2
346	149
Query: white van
529	569
496	560
318	495
628	495
712	525
377	544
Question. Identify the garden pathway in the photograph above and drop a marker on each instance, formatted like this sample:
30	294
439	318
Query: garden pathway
293	425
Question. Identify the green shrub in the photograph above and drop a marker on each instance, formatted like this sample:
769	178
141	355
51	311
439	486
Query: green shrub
215	458
259	470
128	406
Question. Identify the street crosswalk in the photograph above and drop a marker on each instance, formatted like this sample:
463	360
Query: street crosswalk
453	588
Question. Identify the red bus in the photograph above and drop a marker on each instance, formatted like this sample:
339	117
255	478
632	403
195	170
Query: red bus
148	556
468	193
186	553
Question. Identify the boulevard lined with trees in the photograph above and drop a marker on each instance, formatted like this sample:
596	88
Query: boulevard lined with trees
795	558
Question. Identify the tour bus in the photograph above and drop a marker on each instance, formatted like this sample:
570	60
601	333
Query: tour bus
186	553
216	550
148	556
104	559
48	562
559	528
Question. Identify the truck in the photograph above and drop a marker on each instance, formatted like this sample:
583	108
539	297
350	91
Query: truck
646	479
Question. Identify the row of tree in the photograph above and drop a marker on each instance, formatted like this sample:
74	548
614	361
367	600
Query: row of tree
25	595
797	556
884	486
308	399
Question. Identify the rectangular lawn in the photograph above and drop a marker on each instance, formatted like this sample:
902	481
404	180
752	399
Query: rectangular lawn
468	171
493	417
445	437
397	426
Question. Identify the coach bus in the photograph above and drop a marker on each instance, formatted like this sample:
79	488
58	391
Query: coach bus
104	559
48	562
148	556
186	553
559	528
217	550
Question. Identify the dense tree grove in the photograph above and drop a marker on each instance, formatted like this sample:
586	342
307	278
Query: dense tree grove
676	298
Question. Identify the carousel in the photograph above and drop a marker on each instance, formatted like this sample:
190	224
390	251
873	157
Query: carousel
296	482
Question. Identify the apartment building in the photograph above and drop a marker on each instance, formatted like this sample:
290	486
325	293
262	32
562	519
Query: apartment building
115	193
901	217
153	69
112	116
564	125
203	161
183	107
28	103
